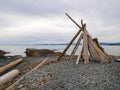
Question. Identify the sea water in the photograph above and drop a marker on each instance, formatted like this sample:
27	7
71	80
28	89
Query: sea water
20	49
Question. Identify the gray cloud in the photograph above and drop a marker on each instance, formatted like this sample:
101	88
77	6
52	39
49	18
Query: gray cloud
44	20
105	8
31	7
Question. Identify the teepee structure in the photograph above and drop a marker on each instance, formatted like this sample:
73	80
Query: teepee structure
89	46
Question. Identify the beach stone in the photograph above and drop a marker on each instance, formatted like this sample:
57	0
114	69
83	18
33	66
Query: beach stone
33	52
69	76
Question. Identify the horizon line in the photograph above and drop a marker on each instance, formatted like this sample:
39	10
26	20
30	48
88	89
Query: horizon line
101	43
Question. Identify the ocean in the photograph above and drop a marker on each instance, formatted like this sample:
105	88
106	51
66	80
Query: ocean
20	49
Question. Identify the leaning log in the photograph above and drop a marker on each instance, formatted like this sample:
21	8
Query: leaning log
8	76
71	40
73	20
97	43
93	52
79	55
98	54
10	65
75	48
69	45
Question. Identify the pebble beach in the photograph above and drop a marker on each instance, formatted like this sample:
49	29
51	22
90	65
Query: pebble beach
64	75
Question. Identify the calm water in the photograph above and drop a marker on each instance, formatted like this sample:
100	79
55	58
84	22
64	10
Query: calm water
20	49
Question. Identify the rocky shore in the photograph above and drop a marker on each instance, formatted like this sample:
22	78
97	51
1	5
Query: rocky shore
64	75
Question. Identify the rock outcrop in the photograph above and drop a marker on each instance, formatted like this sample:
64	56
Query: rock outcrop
33	52
2	53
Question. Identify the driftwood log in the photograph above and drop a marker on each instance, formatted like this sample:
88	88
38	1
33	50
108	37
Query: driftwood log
97	53
80	55
76	47
85	48
10	65
8	76
40	64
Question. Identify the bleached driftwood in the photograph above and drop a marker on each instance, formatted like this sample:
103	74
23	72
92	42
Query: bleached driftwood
8	76
79	55
85	48
10	65
97	53
76	47
40	64
80	29
89	46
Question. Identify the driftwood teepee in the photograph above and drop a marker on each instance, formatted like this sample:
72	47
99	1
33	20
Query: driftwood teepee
89	46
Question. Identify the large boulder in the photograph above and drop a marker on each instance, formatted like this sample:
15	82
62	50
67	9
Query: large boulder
33	52
2	53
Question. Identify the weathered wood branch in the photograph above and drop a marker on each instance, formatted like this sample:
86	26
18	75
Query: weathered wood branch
73	20
82	24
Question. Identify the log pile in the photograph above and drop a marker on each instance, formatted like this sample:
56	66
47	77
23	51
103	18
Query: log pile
89	46
6	75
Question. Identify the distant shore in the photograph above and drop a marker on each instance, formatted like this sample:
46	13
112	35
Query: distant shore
19	49
101	43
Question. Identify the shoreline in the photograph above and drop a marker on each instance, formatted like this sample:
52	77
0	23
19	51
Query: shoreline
30	62
19	50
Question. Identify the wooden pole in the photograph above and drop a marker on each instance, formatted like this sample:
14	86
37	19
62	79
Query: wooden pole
75	48
8	76
69	45
79	55
89	50
10	65
85	49
73	20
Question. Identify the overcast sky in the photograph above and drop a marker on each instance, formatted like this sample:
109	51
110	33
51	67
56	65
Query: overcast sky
44	21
